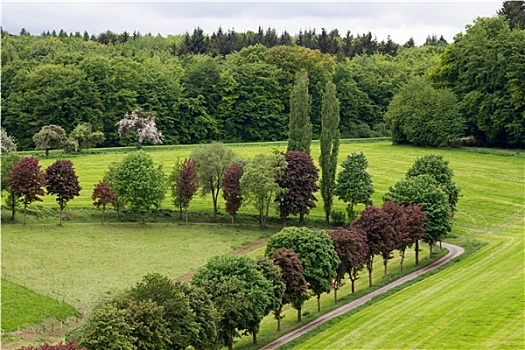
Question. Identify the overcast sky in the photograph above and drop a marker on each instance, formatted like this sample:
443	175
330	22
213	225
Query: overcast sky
400	20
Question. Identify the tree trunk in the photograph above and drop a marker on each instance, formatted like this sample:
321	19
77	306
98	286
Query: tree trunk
299	316
385	263
230	340
254	338
214	196
402	253
278	316
139	145
301	219
186	215
430	246
47	152
61	209
416	250
370	267
353	286
335	294
327	217
13	206
319	303
25	209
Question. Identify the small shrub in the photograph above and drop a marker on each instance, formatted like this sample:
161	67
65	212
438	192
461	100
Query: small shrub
337	217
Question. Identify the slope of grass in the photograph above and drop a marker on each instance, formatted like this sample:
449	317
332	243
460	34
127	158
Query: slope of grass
22	307
478	302
80	263
99	258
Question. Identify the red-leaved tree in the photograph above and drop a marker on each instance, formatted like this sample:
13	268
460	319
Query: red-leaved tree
26	182
231	189
300	182
375	225
352	251
408	223
296	292
62	181
186	185
103	195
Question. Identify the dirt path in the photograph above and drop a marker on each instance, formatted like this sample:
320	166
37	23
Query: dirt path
243	250
453	252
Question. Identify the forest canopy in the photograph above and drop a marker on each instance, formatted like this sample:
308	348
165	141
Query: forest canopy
235	87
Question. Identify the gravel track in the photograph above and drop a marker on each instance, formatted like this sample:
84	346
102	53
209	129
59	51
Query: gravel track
453	252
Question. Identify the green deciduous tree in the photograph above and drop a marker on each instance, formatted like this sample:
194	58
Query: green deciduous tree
62	181
7	163
86	136
273	274
354	183
212	161
26	181
300	127
105	328
50	137
258	182
175	305
435	165
485	68
239	290
316	252
139	184
422	190
424	116
329	144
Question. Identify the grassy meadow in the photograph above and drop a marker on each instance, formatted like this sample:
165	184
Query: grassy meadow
477	302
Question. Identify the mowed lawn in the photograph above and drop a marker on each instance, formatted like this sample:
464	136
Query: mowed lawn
80	263
83	262
477	303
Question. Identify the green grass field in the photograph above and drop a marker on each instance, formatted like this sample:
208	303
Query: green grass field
82	262
22	307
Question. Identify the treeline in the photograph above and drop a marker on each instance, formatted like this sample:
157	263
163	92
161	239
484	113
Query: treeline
243	96
235	87
222	43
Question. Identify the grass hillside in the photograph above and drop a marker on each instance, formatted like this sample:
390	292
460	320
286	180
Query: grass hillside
478	301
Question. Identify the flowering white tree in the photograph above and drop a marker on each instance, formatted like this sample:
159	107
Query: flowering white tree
143	123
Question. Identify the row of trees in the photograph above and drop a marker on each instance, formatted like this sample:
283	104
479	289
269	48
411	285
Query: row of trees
232	294
24	182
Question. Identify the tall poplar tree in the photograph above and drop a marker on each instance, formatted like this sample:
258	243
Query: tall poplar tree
329	143
300	127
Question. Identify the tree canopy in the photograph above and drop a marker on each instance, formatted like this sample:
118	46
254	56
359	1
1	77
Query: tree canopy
140	185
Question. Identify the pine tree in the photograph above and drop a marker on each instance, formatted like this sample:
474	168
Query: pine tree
300	127
329	143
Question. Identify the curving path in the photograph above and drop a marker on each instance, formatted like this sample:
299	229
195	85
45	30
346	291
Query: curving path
453	252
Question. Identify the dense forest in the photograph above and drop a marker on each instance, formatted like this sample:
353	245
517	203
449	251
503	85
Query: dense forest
235	87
